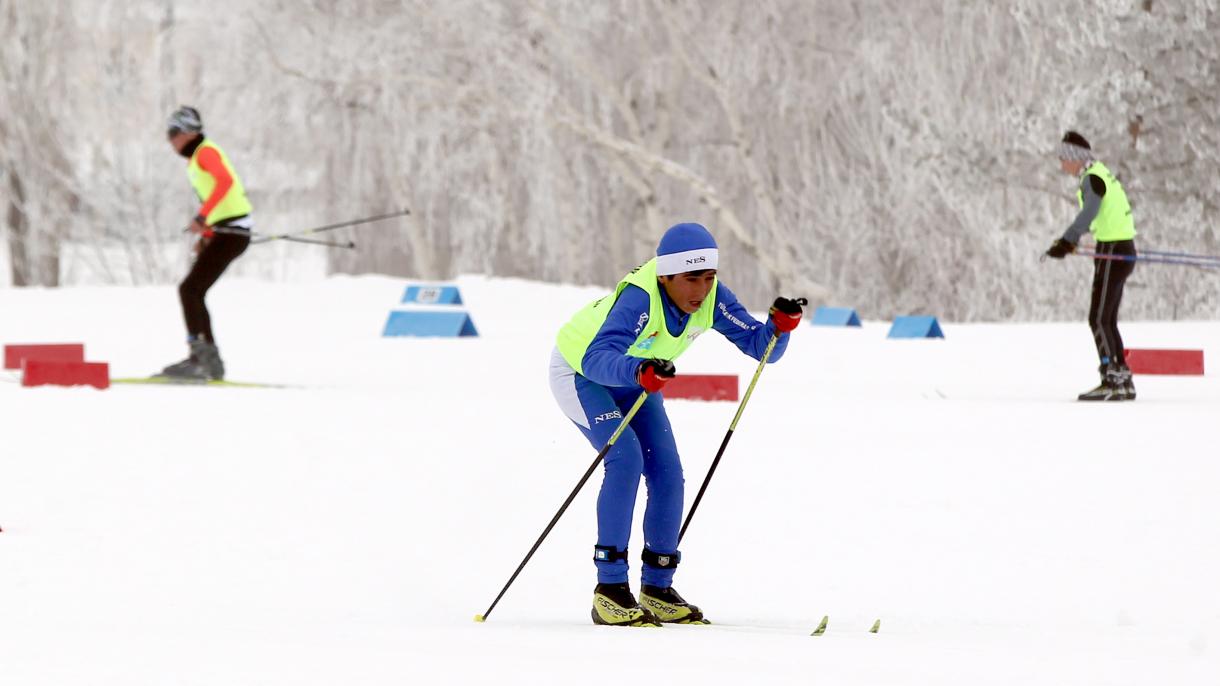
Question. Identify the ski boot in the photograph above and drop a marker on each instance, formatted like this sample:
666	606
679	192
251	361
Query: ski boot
209	357
1112	386
186	369
670	607
204	363
1124	373
613	605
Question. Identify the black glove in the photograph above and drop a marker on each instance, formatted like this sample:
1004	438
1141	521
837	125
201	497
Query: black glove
654	374
789	305
1060	248
786	313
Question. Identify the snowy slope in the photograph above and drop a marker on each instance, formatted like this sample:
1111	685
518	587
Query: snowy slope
347	529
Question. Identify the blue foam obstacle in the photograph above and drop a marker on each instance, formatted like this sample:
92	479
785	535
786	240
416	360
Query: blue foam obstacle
915	326
432	295
835	316
429	323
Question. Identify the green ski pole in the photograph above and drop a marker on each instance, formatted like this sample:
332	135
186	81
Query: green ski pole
724	444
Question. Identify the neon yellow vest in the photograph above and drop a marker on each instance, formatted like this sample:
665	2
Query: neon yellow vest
1113	221
653	340
234	204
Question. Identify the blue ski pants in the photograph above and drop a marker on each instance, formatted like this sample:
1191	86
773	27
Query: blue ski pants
646	448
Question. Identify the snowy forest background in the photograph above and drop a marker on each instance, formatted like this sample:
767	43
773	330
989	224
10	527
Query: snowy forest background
892	155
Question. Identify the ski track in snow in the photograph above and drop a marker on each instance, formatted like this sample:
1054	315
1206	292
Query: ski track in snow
346	529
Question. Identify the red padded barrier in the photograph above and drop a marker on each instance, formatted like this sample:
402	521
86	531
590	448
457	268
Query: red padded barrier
702	387
1182	362
50	352
42	373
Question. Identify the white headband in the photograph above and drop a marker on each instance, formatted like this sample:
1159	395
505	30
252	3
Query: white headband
688	261
1071	151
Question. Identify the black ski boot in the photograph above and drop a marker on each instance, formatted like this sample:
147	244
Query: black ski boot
613	605
203	363
668	606
1112	386
186	369
1124	373
209	357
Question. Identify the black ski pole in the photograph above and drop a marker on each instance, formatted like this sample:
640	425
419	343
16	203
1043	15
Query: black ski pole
294	236
1150	259
263	238
724	444
329	244
255	238
571	496
1183	255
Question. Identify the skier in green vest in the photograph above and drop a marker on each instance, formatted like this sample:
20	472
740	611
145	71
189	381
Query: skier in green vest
612	350
223	204
1105	212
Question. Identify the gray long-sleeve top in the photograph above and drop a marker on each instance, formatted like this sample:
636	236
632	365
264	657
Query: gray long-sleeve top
1092	190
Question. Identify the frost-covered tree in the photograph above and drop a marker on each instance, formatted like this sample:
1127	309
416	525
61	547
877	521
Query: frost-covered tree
895	156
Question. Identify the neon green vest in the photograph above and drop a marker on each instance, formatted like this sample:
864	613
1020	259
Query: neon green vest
653	340
234	204
1114	221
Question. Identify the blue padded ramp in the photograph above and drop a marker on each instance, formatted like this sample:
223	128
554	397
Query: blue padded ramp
428	323
835	316
916	326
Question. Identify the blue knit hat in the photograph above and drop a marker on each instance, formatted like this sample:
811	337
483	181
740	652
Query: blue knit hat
686	248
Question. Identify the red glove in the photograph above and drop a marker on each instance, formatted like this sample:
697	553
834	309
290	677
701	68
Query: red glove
200	226
786	313
654	374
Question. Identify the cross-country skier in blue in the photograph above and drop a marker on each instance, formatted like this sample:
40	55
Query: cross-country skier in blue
612	350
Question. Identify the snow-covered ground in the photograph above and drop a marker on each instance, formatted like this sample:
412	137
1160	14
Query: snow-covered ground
346	530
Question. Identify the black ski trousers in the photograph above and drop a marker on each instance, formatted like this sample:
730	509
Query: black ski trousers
1109	277
218	251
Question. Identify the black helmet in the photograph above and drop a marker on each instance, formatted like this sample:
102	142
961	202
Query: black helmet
1077	140
185	119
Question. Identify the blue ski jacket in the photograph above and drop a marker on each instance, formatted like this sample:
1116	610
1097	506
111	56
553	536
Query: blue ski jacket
606	361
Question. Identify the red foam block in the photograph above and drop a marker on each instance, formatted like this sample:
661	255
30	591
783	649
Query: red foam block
43	373
702	387
49	352
1183	362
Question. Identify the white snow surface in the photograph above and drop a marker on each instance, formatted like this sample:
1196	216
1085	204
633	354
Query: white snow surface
345	530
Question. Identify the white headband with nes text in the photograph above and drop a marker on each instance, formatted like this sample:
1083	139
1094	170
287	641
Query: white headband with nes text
687	261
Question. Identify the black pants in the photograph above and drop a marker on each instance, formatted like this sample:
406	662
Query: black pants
211	262
1109	277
